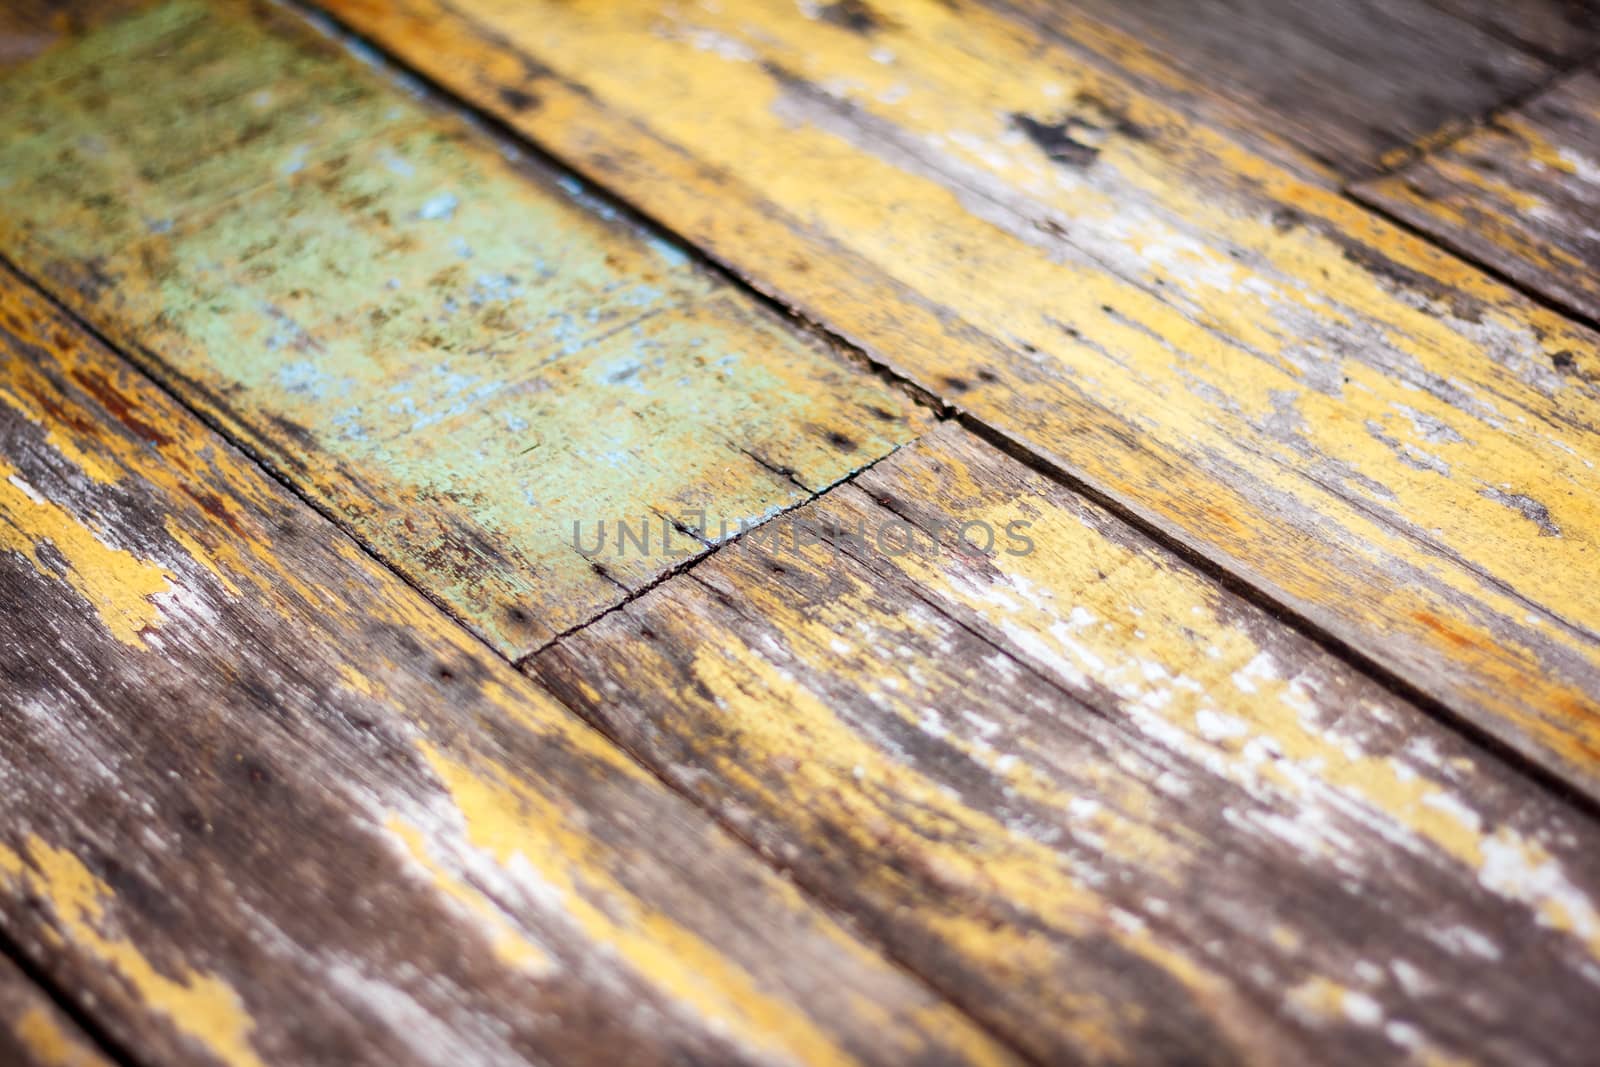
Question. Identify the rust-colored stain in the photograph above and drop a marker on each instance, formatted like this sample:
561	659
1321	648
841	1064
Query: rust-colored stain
1444	630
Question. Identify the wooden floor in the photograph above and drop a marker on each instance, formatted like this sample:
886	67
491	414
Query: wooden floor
884	531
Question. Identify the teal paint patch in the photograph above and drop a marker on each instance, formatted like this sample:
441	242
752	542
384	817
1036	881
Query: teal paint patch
458	353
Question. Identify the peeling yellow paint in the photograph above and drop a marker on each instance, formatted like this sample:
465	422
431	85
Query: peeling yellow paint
512	823
201	1006
42	1034
356	680
206	558
119	586
513	947
1271	729
1168	644
838	782
1318	398
83	456
1512	193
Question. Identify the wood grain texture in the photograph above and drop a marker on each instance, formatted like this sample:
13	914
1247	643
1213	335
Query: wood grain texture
34	1032
1108	808
264	804
1369	431
1352	83
457	353
1520	193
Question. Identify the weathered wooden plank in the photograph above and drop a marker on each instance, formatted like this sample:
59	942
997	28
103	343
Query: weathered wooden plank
1375	435
1109	808
262	803
1352	83
1520	193
34	1032
457	353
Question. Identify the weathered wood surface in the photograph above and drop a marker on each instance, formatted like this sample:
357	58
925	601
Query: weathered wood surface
1377	436
264	804
1352	83
34	1032
457	354
1520	194
1108	808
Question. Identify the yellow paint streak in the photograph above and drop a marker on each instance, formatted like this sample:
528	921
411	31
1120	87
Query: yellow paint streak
509	944
117	584
43	1035
835	782
23	313
512	823
1322	1000
85	456
1166	643
206	558
201	1006
1538	148
356	680
1504	207
1198	280
1493	185
1397	156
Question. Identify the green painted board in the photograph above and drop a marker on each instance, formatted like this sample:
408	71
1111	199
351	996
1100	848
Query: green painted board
454	351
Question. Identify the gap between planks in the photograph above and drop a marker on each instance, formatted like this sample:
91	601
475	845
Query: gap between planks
253	455
848	920
944	411
693	561
1447	138
85	1021
1546	778
1451	248
1442	241
1453	132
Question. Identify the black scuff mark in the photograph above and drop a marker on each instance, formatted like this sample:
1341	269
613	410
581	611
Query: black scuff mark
1530	509
518	100
852	15
1056	140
